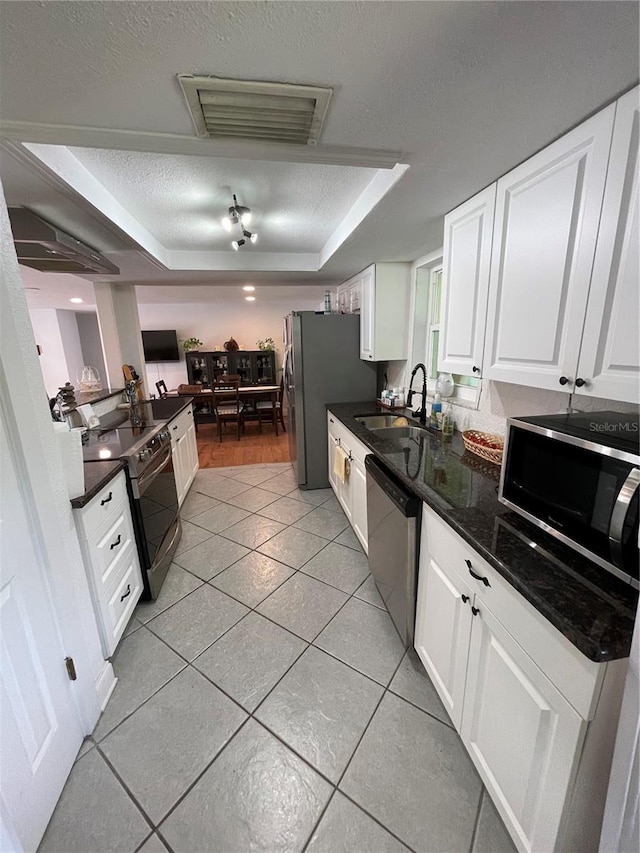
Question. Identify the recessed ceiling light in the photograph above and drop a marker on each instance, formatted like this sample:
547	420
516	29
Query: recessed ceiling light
76	300
249	287
250	298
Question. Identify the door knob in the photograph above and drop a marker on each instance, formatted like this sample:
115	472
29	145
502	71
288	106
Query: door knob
563	380
580	382
475	369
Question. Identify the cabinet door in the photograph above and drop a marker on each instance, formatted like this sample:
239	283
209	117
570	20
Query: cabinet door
355	296
443	628
343	299
358	478
609	357
544	238
180	467
264	368
342	490
367	314
191	447
198	368
521	734
241	365
465	283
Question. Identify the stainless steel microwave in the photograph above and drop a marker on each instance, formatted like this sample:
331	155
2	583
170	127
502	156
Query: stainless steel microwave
576	476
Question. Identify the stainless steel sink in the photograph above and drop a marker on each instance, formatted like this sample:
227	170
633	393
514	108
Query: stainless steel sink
400	432
377	421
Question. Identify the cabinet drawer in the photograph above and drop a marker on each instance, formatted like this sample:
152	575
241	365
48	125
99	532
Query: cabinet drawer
118	604
104	507
107	548
178	426
567	668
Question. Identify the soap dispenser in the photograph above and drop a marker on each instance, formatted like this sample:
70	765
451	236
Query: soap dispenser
436	412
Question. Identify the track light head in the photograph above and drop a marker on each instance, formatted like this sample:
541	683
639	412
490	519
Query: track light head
239	215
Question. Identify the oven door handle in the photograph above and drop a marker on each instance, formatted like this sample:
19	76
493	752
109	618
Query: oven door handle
149	474
619	515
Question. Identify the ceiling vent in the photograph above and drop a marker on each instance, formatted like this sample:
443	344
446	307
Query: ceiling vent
265	112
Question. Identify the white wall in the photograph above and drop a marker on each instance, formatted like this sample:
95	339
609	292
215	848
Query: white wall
213	324
89	332
53	362
68	325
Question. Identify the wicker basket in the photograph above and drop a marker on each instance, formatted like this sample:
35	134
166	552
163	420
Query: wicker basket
491	454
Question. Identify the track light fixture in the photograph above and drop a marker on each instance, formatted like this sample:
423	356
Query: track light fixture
239	215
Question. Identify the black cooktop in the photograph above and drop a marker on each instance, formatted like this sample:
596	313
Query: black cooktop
115	443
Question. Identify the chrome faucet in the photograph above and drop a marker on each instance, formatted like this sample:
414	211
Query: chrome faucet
423	407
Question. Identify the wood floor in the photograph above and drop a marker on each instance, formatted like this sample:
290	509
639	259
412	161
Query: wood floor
252	449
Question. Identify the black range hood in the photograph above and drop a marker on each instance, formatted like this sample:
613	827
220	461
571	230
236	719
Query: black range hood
44	247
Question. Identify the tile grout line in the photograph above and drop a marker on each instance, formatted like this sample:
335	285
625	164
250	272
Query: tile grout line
476	822
309	644
346	767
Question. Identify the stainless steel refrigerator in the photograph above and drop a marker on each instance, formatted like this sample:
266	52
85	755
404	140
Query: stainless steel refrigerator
322	365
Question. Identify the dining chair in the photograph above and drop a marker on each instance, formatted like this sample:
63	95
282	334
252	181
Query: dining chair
226	404
273	408
162	388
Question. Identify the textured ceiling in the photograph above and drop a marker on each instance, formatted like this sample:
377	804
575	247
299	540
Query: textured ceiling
181	200
465	90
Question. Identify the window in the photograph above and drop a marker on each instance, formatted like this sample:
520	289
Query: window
426	331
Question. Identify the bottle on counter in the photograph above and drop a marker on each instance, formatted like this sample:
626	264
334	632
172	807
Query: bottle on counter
435	417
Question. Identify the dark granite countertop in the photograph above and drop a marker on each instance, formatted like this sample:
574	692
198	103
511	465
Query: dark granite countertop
167	408
83	397
96	477
588	605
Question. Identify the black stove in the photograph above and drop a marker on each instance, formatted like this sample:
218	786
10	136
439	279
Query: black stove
143	443
134	436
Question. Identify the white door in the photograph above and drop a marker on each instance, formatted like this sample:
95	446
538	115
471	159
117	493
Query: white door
41	732
367	314
443	627
544	239
521	734
359	502
610	356
468	231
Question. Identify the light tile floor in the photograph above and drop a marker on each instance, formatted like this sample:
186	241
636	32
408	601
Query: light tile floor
265	702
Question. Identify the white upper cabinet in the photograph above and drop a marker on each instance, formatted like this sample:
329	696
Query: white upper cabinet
465	283
609	362
384	311
546	225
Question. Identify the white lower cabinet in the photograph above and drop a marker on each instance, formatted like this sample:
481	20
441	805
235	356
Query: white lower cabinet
537	718
107	541
184	450
443	631
352	494
521	733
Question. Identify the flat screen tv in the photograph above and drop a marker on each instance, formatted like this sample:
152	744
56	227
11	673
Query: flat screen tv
160	345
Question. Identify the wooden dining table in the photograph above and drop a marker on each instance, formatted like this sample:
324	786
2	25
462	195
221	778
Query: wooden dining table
245	392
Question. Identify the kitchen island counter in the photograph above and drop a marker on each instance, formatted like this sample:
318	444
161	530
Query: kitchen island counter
589	606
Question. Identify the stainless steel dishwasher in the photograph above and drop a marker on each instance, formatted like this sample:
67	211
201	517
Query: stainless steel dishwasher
393	519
